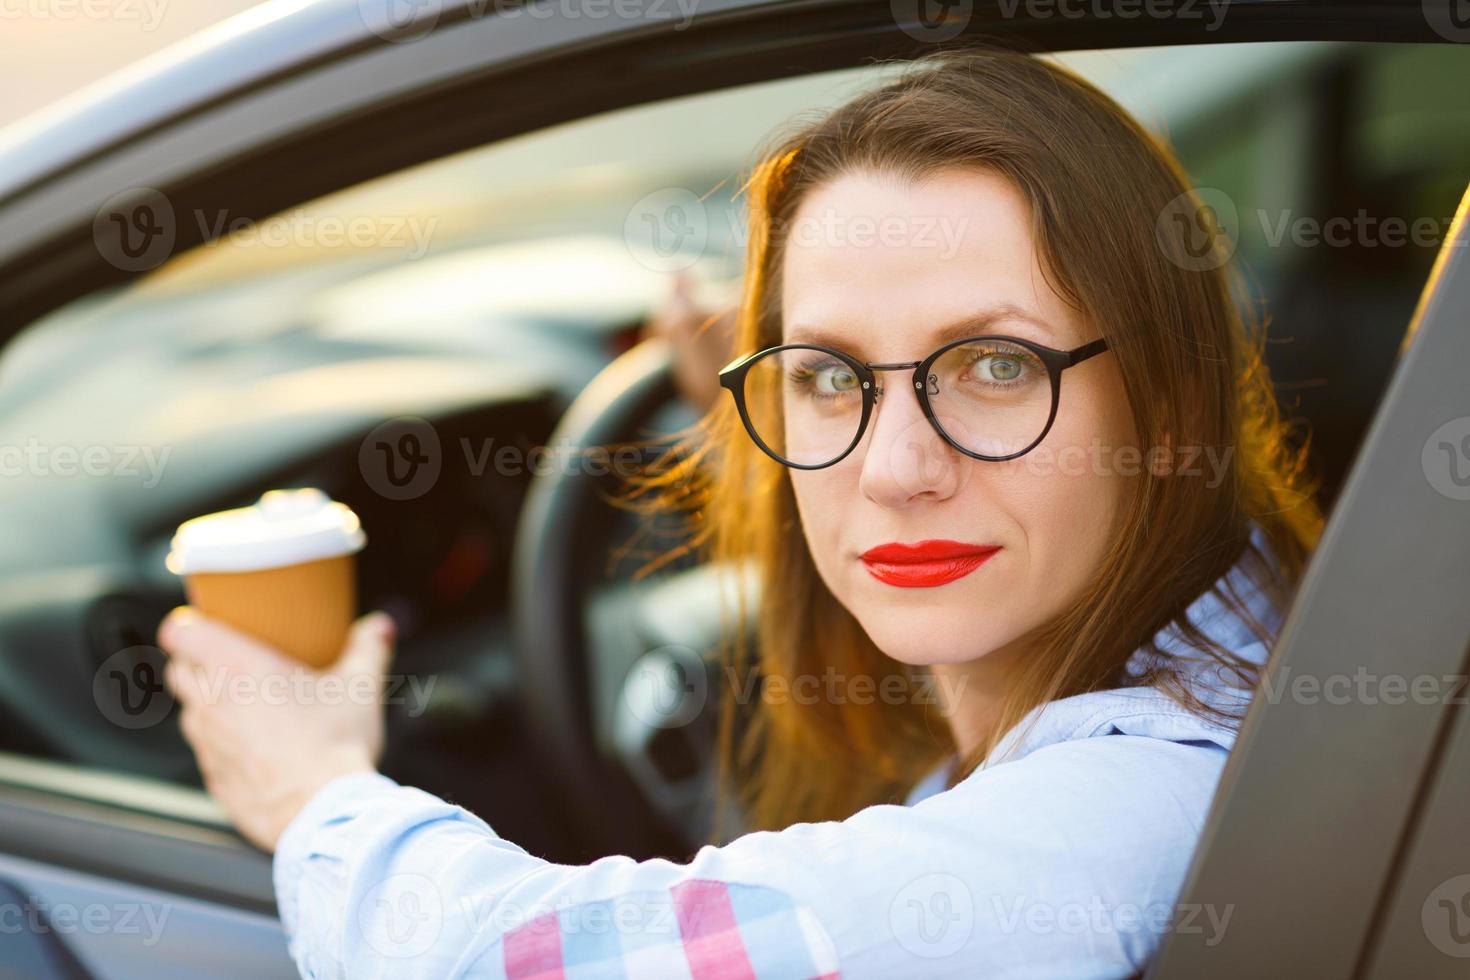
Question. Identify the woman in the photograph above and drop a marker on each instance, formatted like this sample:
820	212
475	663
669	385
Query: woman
1004	438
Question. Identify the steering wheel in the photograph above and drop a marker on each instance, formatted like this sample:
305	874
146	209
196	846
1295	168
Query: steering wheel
613	676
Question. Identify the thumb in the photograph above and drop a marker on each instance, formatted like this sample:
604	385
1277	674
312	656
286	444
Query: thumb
198	640
369	647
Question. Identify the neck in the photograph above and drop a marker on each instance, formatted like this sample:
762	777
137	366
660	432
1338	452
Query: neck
971	695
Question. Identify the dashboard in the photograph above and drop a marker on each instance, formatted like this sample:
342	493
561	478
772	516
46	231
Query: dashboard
122	419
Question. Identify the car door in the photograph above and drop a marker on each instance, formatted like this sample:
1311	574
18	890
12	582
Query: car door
1328	850
118	874
110	876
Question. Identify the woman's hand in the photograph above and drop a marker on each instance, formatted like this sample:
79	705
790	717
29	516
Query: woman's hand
269	732
699	323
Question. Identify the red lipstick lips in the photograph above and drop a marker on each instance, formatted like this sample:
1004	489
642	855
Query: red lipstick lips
925	564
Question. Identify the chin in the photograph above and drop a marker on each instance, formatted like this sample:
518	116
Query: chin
939	633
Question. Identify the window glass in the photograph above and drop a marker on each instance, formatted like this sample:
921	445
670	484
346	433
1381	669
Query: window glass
479	293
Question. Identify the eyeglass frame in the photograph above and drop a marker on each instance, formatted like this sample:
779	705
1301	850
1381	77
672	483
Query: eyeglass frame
732	377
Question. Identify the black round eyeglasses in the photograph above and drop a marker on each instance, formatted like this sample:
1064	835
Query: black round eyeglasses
991	397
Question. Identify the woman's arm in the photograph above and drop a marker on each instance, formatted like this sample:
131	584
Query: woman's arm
1066	863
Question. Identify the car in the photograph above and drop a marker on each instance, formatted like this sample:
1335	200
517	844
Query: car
404	253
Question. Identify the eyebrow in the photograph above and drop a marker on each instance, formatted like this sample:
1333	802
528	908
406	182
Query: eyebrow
972	325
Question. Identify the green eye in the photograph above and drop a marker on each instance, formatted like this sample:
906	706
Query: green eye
835	379
827	380
999	367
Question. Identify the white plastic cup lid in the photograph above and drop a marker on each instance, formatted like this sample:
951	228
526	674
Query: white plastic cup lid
284	527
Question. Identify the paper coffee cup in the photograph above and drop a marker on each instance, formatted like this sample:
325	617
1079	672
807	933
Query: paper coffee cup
281	570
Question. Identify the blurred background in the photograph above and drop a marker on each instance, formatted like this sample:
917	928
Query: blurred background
480	292
47	53
407	344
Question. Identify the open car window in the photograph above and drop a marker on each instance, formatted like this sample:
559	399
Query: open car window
480	292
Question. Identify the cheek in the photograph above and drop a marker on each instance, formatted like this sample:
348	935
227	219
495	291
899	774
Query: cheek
825	504
1069	497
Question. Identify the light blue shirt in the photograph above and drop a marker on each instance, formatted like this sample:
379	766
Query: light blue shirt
1063	859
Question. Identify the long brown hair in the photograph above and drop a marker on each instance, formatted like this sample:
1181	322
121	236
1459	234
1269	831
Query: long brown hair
1190	357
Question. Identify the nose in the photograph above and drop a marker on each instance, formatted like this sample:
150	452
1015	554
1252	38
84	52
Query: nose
905	460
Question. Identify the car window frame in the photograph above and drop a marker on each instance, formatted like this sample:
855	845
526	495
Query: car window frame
1304	901
319	125
316	125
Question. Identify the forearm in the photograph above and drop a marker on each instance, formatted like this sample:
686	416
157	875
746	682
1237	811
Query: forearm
375	878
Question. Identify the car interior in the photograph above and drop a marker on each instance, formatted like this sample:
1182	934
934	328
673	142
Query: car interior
498	297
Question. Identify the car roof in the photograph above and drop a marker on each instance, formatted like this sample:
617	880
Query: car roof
305	89
273	40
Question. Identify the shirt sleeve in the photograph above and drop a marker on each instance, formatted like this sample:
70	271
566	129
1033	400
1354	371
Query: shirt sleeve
1065	863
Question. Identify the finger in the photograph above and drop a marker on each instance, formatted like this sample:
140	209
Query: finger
194	726
185	681
174	678
369	646
677	310
199	640
166	628
191	726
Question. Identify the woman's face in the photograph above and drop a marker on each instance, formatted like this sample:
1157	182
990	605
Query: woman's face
888	270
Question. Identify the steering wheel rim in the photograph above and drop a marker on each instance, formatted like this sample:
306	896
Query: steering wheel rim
549	596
